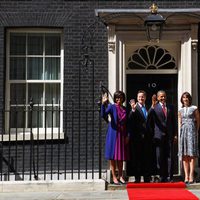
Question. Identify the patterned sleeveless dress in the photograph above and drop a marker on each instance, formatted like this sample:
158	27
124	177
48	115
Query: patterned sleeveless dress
188	133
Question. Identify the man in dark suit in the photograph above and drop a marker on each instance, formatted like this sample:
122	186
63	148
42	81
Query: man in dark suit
165	133
140	140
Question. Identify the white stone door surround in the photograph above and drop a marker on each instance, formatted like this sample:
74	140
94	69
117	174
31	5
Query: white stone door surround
182	45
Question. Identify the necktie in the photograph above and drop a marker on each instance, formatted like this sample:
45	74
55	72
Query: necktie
164	110
144	111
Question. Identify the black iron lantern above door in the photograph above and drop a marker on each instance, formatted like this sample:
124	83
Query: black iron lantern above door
154	24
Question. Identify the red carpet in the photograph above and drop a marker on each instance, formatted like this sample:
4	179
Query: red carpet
159	191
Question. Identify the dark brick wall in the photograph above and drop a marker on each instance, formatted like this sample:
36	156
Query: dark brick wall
77	19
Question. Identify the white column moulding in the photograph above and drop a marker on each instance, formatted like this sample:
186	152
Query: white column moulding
194	46
121	67
185	73
112	71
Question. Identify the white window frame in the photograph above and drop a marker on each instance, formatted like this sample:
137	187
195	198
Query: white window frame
57	132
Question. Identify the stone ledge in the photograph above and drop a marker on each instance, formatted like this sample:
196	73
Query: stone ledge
193	186
52	186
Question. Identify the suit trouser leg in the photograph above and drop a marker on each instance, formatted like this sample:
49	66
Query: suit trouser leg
147	158
170	160
138	156
161	159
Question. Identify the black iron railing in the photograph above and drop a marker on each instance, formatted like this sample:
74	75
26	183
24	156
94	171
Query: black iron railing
67	144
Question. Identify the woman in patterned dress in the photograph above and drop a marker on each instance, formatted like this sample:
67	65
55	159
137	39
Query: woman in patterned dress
116	147
188	117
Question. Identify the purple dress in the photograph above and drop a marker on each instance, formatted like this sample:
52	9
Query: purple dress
116	147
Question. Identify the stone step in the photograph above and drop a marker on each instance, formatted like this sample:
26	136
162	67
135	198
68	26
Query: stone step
110	186
195	186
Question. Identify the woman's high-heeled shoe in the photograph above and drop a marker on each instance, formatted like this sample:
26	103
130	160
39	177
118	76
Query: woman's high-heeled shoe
116	182
191	182
122	181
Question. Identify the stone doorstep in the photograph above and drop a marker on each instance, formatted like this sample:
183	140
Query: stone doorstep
177	178
53	186
194	186
115	187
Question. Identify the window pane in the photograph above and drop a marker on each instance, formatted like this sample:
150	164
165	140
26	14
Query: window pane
17	44
52	44
17	68
35	69
17	93
52	68
52	117
35	91
35	44
35	117
17	117
52	93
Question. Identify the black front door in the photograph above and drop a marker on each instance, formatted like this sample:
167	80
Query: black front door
152	83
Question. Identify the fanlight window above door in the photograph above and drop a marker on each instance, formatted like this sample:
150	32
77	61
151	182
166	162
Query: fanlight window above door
151	57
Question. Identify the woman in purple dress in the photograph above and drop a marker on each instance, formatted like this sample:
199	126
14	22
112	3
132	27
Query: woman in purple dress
116	148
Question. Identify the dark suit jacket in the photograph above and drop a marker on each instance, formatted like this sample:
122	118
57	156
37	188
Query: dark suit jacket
138	124
164	125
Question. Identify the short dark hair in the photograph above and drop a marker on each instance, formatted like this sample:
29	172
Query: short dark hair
188	95
119	94
142	91
161	91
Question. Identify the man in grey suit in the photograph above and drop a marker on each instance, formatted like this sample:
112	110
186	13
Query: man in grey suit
165	134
